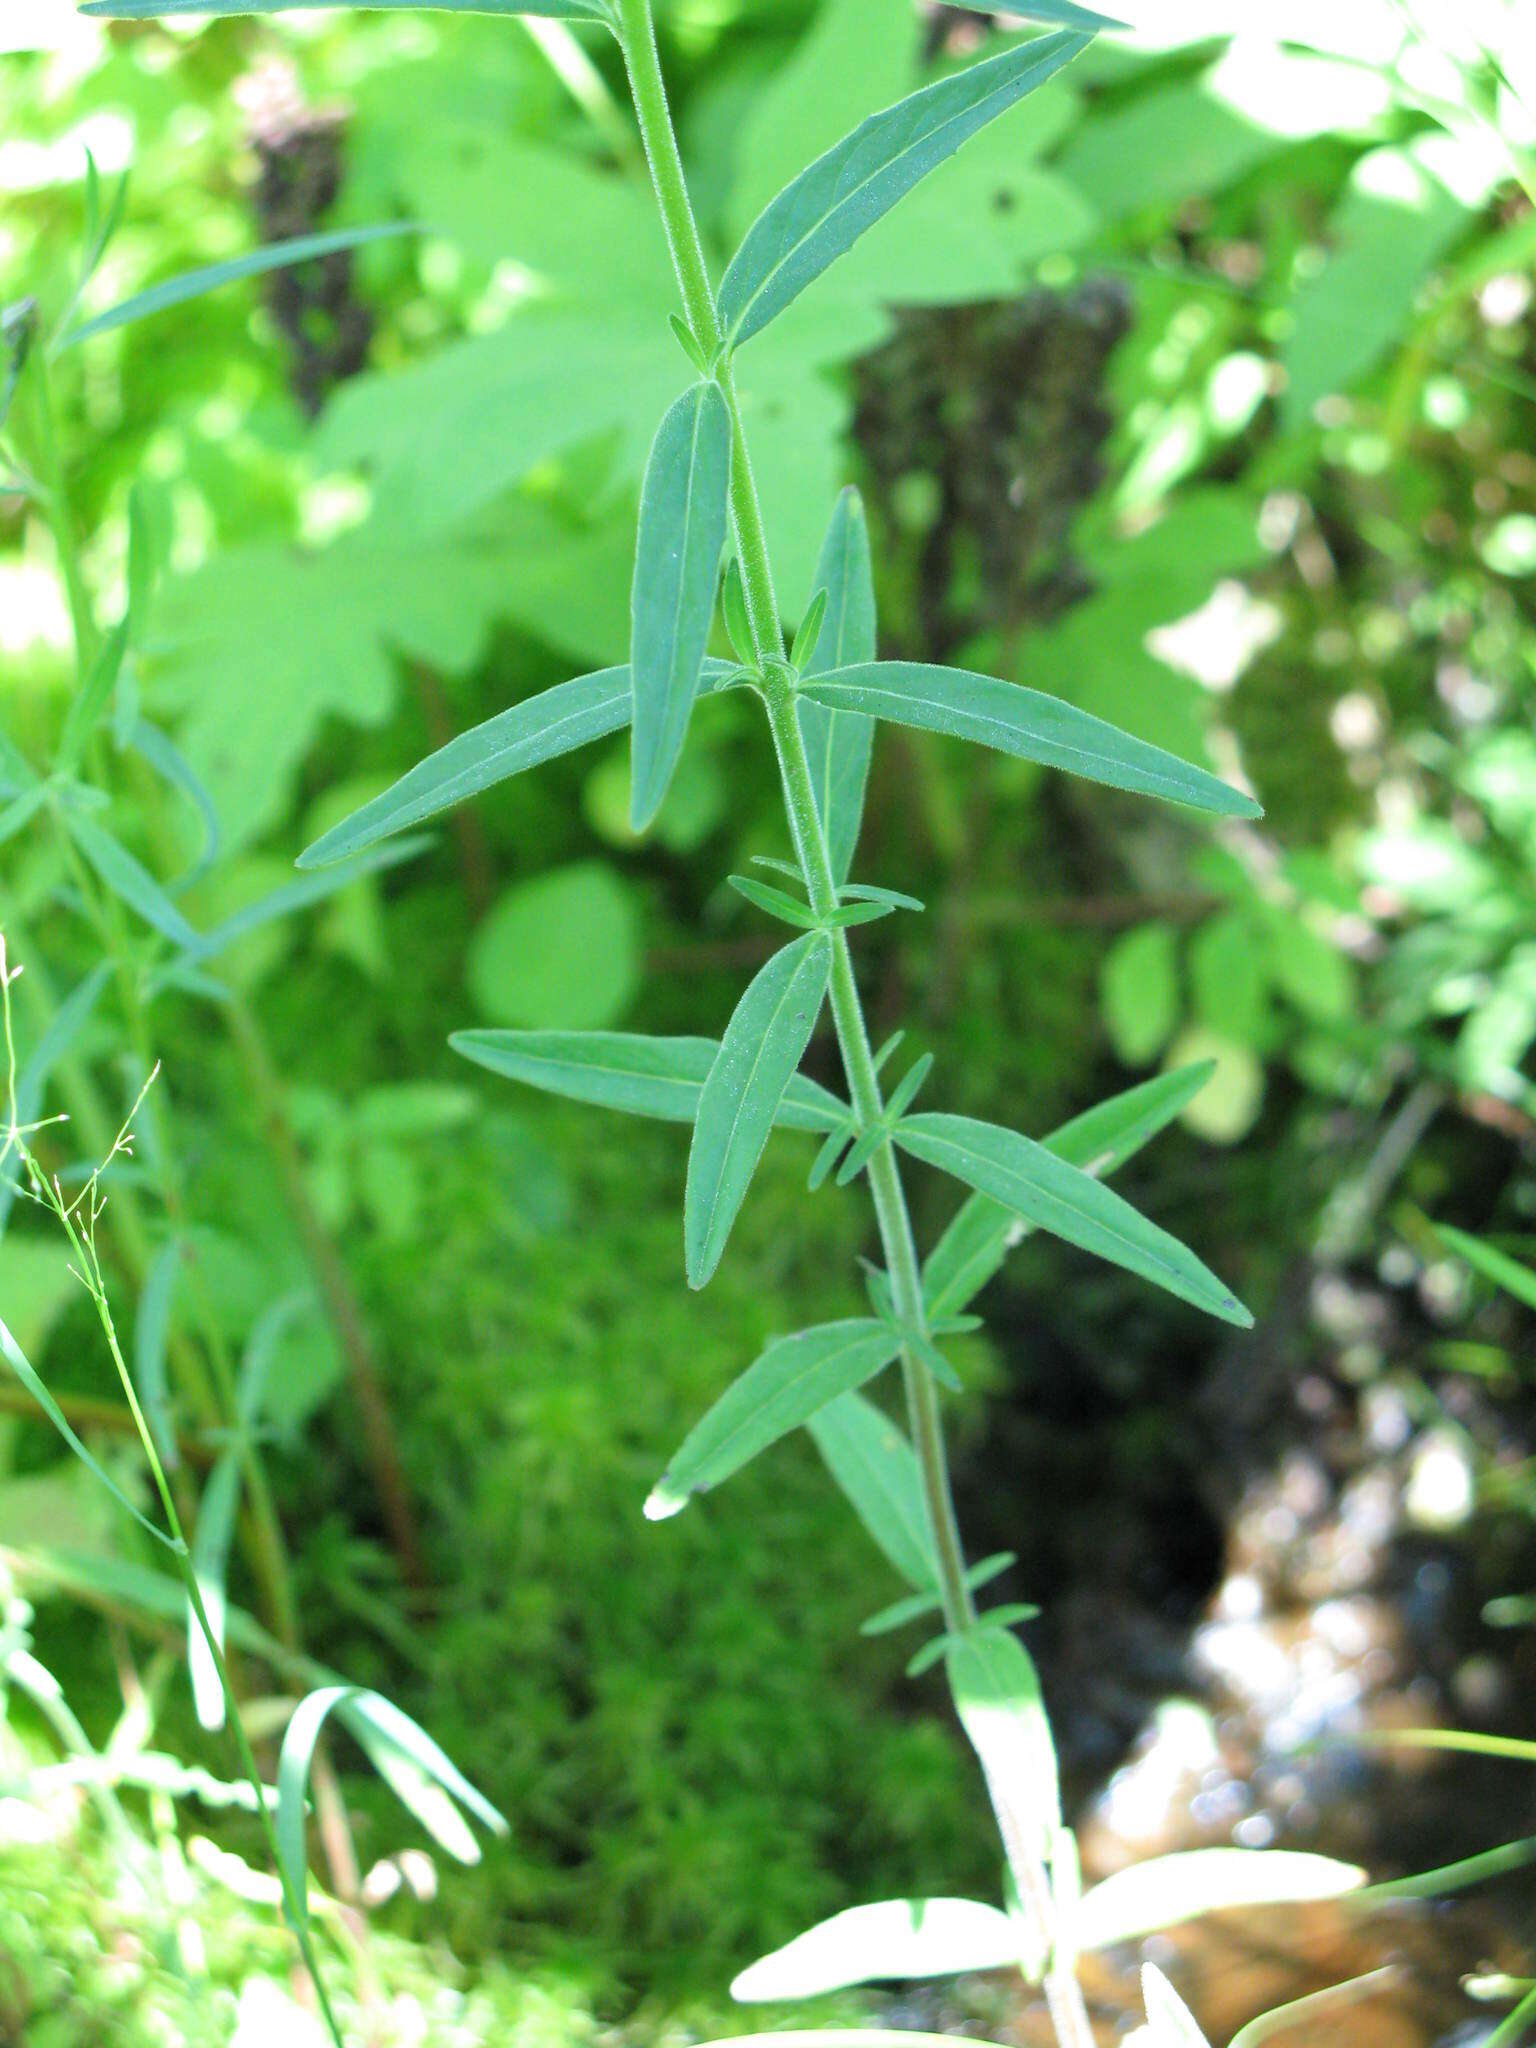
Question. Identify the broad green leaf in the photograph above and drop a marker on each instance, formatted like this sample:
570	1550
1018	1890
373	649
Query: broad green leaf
793	1379
964	705
1492	1264
899	1939
1171	2022
151	1329
997	1696
677	564
522	737
390	1739
129	880
562	949
1169	1889
822	213
1062	1199
155	10
660	1077
1100	1141
210	1561
16	1359
838	743
1139	991
192	284
876	1469
769	1030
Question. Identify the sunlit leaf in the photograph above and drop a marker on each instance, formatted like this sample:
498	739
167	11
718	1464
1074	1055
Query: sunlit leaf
677	563
964	705
783	1388
1166	1890
211	1537
769	1030
822	213
896	1940
997	1696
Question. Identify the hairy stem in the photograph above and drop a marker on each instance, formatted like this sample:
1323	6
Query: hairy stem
638	38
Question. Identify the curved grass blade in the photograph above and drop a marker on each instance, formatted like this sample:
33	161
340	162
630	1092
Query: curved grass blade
898	1939
769	1030
388	1737
794	1378
660	1077
877	1471
963	705
1491	1264
192	284
677	565
16	1359
1069	1203
129	880
838	743
821	214
553	722
1100	1141
210	1561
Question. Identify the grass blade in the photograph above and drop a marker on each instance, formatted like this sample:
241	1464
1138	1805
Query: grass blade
192	284
794	1378
769	1030
677	564
961	704
659	1077
129	880
983	1231
838	743
822	213
210	1561
1069	1203
151	1328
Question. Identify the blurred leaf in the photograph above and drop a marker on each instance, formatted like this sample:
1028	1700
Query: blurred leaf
561	950
1139	991
1166	1890
997	1696
838	743
897	1940
211	1537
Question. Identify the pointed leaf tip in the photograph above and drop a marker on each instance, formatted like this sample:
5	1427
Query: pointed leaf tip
661	1504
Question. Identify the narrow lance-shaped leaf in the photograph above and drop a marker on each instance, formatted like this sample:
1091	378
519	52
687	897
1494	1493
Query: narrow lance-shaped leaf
154	10
85	712
898	1939
1067	1202
129	879
794	1378
677	564
1054	13
769	1030
838	743
1166	1890
876	1469
1171	2022
210	1561
821	214
192	284
554	722
16	1359
1492	1264
1100	1141
963	705
659	1077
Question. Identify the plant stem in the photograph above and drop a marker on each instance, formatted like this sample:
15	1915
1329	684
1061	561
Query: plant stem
638	39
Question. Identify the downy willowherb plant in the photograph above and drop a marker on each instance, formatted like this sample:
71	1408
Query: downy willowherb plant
822	693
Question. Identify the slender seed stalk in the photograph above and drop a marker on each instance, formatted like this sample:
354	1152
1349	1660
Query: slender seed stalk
648	89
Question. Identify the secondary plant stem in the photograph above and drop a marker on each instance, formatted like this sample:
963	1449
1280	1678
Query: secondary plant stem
638	38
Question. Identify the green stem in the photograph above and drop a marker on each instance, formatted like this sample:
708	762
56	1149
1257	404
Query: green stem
1064	1997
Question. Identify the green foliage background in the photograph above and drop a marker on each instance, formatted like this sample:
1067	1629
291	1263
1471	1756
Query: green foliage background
1235	329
